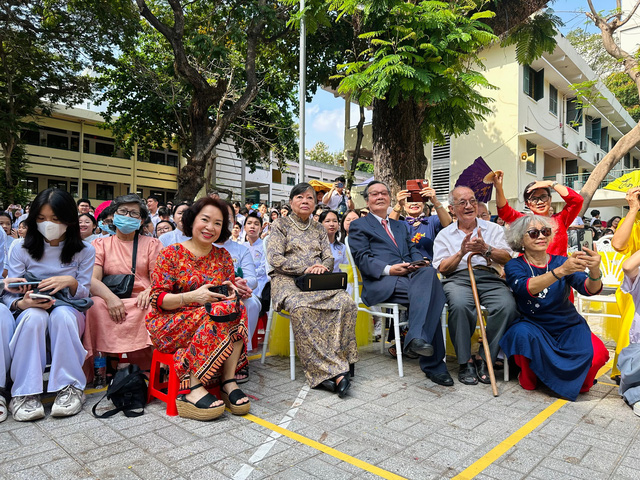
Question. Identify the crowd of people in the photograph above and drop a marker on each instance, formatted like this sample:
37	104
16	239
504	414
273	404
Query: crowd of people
192	280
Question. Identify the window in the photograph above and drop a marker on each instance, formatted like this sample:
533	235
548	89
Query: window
553	99
613	142
291	180
604	138
627	161
73	189
166	157
441	167
574	113
593	129
533	84
159	194
104	192
30	184
531	152
57	138
31	137
59	184
636	163
571	167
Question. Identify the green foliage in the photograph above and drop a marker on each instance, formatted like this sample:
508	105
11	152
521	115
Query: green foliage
626	91
591	48
364	167
320	153
534	36
587	93
14	193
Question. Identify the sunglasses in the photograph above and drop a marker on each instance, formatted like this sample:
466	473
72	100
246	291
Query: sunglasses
535	233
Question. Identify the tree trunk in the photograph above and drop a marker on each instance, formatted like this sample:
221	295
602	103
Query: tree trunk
398	149
624	145
356	151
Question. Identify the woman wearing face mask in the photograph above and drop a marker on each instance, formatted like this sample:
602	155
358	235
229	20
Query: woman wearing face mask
54	253
105	223
116	325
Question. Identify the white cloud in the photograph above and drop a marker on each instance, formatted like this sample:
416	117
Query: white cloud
328	121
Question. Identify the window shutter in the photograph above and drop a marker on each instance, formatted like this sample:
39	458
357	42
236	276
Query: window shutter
441	168
538	85
526	85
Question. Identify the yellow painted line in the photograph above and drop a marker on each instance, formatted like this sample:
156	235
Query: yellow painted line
483	462
258	356
608	384
324	449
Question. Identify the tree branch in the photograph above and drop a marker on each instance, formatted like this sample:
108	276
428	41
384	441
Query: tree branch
633	11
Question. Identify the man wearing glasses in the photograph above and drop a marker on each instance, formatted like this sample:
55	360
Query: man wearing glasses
452	247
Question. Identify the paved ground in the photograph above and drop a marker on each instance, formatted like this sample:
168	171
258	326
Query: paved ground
388	426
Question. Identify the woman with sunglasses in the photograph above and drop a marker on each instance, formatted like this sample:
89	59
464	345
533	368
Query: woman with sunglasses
537	198
550	341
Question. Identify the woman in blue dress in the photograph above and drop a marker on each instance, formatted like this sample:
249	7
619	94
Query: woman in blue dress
551	342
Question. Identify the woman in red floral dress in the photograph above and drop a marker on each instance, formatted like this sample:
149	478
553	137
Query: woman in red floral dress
205	331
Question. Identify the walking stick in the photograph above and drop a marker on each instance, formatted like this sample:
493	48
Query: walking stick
483	332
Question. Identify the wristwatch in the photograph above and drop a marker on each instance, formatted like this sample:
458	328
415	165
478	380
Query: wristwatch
488	252
553	184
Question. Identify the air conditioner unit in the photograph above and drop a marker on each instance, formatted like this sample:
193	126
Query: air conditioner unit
599	157
582	147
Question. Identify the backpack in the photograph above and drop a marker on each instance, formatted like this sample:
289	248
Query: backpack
127	391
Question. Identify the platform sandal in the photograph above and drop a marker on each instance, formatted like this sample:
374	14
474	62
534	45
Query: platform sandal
230	399
201	410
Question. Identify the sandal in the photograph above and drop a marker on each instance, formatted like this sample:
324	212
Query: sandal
467	374
483	371
244	373
3	408
231	399
202	409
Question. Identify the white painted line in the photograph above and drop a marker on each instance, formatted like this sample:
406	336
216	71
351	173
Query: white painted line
267	445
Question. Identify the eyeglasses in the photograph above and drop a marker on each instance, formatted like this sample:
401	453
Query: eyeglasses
463	203
535	233
541	199
131	213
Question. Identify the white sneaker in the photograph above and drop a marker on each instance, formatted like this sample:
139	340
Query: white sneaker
25	408
68	402
636	408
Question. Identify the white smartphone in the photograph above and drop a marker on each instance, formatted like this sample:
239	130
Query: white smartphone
41	296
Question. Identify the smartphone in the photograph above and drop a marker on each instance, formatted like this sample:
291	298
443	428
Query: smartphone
340	185
587	240
414	187
221	289
41	296
21	284
420	263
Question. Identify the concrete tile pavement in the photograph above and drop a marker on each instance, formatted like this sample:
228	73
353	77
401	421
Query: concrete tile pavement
408	427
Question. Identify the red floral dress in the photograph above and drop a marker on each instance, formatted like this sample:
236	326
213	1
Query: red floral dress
198	343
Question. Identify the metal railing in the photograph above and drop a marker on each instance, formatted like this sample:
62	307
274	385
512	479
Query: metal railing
577	180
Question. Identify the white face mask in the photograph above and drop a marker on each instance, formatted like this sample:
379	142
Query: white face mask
50	230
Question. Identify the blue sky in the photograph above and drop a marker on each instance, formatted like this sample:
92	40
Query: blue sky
325	113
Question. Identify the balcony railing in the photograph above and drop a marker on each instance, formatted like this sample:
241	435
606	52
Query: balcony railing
577	180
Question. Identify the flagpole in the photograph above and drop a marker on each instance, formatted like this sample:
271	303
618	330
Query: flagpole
303	89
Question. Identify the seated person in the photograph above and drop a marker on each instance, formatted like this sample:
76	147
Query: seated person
105	223
177	235
116	325
422	228
628	359
331	223
163	227
550	341
205	331
7	326
451	250
253	227
383	252
54	253
323	321
88	225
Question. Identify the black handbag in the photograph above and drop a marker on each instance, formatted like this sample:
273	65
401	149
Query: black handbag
121	285
311	282
127	391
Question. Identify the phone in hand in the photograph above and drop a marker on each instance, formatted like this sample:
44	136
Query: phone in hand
420	263
587	240
41	296
221	289
414	187
21	284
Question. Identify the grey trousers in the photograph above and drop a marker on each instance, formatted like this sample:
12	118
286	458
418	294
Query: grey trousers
629	365
494	295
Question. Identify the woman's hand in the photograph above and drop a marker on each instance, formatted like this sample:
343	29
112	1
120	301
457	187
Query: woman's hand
28	302
20	290
575	263
202	295
243	289
13	233
593	260
402	196
428	193
144	299
498	179
53	285
632	198
317	269
116	309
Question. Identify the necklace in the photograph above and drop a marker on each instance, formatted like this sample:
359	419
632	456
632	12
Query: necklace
298	226
543	293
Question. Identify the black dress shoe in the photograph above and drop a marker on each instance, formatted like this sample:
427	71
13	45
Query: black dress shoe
467	374
418	346
343	385
443	378
329	385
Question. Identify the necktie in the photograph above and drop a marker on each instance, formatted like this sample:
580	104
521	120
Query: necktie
386	227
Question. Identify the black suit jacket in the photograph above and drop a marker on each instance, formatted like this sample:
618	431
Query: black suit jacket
373	249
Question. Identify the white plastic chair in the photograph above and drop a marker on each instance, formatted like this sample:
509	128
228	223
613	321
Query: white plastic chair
267	331
612	275
395	308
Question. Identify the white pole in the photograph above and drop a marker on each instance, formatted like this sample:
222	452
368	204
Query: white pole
303	88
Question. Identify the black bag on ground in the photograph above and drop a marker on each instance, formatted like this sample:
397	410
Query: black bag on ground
122	284
127	391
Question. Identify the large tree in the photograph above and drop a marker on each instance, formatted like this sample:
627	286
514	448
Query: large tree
45	50
608	25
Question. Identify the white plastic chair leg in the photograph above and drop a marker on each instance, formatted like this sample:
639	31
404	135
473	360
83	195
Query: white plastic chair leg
443	323
396	329
267	332
506	370
292	352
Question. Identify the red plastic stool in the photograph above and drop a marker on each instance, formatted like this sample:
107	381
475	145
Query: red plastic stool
257	339
172	386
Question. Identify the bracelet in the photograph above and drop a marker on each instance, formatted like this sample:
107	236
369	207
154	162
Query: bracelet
594	279
554	274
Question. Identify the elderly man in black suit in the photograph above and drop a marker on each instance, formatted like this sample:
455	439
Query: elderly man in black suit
384	252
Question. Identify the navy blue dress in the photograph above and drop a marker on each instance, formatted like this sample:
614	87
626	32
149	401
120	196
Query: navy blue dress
550	332
424	233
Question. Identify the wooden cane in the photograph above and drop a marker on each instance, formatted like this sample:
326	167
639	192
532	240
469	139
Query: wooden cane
483	333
